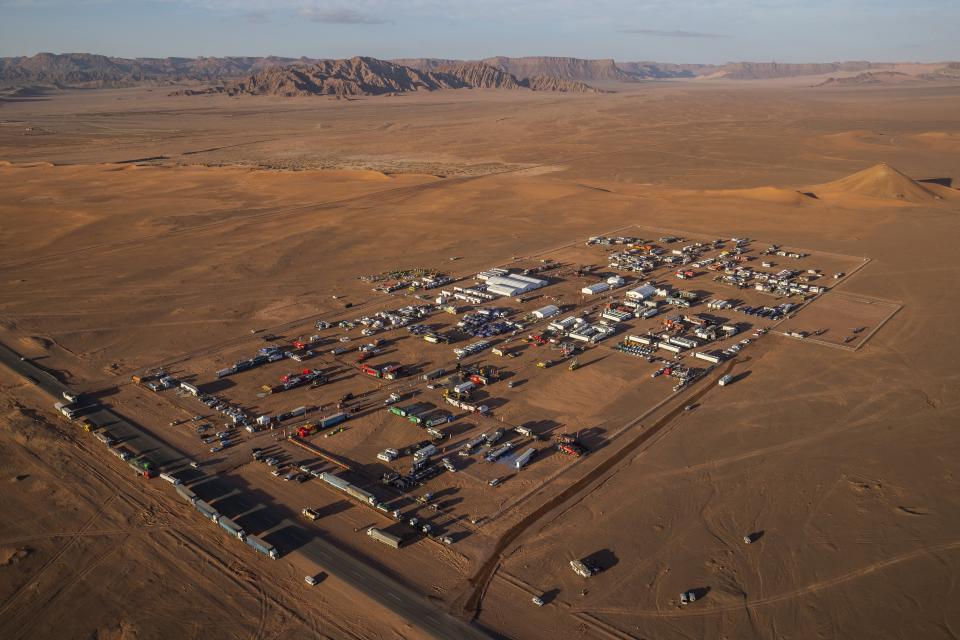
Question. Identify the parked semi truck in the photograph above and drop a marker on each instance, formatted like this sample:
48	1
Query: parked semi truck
231	527
349	489
524	458
186	493
263	547
384	537
206	510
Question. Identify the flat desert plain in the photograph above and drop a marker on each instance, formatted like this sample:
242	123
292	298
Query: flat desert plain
141	230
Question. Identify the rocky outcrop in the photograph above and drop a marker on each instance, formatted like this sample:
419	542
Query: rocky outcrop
549	83
576	69
358	76
868	77
480	76
363	76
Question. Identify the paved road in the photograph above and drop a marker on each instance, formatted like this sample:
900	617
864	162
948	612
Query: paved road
390	593
399	598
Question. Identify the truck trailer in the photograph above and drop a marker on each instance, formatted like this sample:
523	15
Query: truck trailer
186	493
265	548
384	537
206	510
231	527
524	458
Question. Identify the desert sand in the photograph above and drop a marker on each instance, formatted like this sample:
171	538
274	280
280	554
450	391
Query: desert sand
144	230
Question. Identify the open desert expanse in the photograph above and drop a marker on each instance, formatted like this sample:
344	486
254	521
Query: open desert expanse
141	230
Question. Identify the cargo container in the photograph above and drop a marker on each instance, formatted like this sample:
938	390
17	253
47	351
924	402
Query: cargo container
725	380
334	481
524	458
334	420
231	527
384	537
346	487
666	346
265	548
361	495
206	510
186	493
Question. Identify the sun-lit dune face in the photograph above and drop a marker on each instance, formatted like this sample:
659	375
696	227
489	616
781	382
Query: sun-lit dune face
879	181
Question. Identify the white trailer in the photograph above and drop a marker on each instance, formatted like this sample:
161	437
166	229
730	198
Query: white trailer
524	458
386	538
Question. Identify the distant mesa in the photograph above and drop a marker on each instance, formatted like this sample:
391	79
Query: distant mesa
573	69
879	181
774	70
93	71
363	76
869	78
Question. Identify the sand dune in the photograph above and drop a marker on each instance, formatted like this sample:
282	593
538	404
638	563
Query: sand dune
879	181
776	195
935	140
856	139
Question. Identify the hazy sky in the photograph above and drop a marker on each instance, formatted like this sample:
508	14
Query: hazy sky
664	30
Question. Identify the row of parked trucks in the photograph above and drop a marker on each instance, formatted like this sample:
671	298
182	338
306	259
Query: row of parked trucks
232	528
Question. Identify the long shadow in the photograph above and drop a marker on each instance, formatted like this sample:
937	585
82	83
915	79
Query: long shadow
216	386
603	559
584	365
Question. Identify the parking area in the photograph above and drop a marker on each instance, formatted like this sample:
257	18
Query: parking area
450	397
